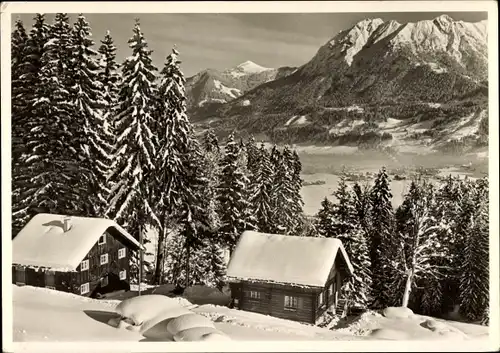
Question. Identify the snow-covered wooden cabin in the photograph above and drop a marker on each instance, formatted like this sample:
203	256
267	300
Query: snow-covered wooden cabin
290	277
86	256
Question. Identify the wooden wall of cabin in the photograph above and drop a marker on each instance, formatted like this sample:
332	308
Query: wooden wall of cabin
271	301
41	277
72	281
337	276
97	271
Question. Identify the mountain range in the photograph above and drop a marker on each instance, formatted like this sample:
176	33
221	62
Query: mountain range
211	88
378	83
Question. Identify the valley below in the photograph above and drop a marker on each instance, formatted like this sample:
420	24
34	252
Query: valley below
322	167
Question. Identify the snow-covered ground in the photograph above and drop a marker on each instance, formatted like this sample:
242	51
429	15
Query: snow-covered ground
42	315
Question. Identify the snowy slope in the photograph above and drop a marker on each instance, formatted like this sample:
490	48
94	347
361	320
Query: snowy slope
48	316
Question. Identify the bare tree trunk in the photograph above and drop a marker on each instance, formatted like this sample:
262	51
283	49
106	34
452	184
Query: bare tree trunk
406	295
157	278
187	265
141	259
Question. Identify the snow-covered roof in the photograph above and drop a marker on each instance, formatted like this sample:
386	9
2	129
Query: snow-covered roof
302	261
43	243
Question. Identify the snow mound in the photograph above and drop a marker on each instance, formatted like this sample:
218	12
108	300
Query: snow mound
397	312
195	334
433	325
215	336
146	307
389	334
188	321
443	330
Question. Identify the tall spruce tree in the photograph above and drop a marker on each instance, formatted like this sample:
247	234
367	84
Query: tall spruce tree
87	98
261	190
135	149
361	200
110	81
233	195
252	158
19	46
357	288
52	163
196	219
344	226
295	166
343	215
474	279
283	210
325	219
174	133
381	237
20	70
211	142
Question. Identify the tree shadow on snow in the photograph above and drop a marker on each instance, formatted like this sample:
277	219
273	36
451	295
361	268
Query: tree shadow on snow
101	316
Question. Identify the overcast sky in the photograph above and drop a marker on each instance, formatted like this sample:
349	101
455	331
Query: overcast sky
222	41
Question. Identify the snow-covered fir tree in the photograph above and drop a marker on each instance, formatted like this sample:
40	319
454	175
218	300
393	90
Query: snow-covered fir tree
88	101
283	220
196	219
233	194
357	288
19	45
296	169
135	150
174	133
361	201
252	158
343	214
474	279
381	237
24	118
344	226
433	298
20	70
110	80
324	219
211	142
261	190
51	165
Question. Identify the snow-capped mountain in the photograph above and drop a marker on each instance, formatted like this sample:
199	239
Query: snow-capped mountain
211	88
384	69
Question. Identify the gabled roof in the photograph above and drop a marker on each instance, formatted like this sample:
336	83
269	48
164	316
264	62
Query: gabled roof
43	243
303	261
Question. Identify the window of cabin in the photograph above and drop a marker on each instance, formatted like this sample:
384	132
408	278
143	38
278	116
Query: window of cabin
291	303
104	259
84	265
121	253
20	275
123	275
104	281
330	290
254	294
102	239
84	288
321	299
50	279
